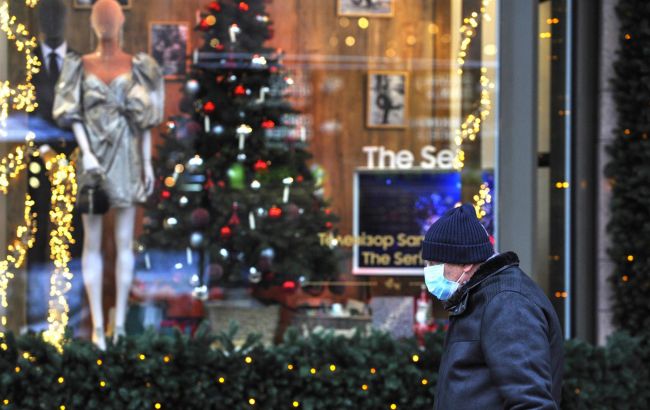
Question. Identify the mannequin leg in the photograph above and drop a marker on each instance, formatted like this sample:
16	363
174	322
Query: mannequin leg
124	223
92	268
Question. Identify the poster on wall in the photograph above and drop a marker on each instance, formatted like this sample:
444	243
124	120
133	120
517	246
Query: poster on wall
169	42
367	8
387	99
392	211
86	4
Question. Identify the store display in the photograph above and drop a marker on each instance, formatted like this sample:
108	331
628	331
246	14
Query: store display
239	200
229	73
93	96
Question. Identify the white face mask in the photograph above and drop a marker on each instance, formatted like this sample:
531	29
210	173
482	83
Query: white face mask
438	285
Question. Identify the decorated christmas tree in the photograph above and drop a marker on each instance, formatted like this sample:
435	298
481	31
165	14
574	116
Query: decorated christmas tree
234	179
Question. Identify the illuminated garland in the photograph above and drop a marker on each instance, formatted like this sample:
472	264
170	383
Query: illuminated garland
64	191
16	253
470	128
481	199
15	162
23	96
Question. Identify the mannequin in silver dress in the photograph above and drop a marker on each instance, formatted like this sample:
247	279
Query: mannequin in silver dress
111	100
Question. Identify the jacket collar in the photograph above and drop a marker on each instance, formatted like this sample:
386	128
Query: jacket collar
493	266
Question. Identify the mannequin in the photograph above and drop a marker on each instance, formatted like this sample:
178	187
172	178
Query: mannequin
52	16
111	100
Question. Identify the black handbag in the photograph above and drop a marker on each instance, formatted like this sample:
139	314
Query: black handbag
92	196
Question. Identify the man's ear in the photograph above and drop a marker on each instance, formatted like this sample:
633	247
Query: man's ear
468	268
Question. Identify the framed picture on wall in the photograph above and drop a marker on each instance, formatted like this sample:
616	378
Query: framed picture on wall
86	4
169	43
367	8
387	99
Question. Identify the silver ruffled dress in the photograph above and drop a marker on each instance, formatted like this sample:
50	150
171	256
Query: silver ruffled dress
115	117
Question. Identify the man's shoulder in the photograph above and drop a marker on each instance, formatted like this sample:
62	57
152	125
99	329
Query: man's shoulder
512	280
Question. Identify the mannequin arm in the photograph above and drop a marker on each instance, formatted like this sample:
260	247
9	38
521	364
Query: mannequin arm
146	158
90	161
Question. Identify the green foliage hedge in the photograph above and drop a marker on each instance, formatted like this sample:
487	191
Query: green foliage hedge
628	169
178	372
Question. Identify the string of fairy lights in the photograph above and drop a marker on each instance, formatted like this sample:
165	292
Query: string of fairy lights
14	163
16	254
64	191
472	124
10	168
481	199
21	97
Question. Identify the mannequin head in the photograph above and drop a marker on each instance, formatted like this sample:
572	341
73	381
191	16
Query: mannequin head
51	20
107	19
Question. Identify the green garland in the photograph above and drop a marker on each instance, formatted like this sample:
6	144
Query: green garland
317	372
628	170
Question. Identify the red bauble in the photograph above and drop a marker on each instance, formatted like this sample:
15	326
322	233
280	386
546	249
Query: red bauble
260	166
200	218
166	194
300	178
243	6
275	212
221	184
226	232
328	211
214	6
273	69
289	285
328	225
240	90
204	25
268	124
209	107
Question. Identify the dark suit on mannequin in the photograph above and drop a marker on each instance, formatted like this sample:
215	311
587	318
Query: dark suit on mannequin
50	51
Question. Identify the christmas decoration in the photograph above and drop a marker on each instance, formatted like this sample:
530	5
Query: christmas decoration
200	218
239	146
209	107
239	90
237	176
234	218
192	87
196	240
320	370
226	232
254	276
21	97
260	166
275	212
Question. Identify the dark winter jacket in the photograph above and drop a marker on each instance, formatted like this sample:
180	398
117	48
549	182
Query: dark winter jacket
504	347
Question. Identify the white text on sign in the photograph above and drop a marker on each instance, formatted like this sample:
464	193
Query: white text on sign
378	156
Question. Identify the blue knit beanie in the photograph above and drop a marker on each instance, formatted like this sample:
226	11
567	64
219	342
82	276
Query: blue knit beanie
457	237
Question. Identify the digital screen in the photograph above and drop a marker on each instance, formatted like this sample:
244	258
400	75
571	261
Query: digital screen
393	210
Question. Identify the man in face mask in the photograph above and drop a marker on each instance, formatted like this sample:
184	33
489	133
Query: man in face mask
504	346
